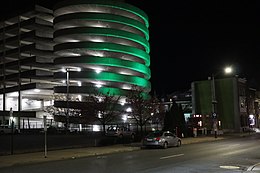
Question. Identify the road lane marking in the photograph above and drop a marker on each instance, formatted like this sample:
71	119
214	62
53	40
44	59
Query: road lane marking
229	167
167	157
234	145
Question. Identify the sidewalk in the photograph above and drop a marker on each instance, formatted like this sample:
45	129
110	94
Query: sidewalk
36	157
27	158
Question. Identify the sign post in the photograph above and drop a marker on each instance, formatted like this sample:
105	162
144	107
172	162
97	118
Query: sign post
215	124
45	136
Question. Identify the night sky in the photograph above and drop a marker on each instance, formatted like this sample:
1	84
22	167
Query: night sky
190	40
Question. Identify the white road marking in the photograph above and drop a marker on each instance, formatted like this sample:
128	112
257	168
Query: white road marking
167	157
229	167
234	145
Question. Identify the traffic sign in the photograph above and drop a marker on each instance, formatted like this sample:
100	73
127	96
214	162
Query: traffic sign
214	115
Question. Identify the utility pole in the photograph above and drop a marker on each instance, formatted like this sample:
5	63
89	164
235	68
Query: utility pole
214	106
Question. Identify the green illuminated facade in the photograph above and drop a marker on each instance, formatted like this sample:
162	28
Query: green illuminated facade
101	44
235	103
67	53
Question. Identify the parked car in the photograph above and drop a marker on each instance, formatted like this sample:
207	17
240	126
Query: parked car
6	129
162	139
120	131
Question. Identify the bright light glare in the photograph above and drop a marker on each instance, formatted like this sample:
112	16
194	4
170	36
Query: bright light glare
98	71
99	115
63	70
96	128
14	94
124	118
128	110
228	70
251	116
79	97
11	119
98	85
122	102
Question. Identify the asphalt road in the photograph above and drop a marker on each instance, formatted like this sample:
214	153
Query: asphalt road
227	156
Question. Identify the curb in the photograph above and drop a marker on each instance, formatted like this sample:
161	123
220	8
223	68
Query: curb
38	157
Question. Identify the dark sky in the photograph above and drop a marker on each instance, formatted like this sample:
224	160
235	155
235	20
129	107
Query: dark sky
190	40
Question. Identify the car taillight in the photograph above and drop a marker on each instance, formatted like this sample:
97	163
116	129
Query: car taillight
158	138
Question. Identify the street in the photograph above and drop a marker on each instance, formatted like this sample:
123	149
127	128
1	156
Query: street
229	155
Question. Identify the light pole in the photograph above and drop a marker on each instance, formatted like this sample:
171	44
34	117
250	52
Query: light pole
214	106
67	99
68	70
12	134
227	70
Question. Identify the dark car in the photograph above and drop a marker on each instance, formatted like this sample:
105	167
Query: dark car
162	139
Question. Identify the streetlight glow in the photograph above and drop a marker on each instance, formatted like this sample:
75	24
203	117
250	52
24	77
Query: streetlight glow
228	70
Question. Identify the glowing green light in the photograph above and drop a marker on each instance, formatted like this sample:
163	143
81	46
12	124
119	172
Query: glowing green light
112	77
106	3
108	35
103	32
106	61
104	17
92	89
106	47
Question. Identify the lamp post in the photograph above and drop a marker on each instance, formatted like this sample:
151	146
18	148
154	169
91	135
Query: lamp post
67	99
12	134
68	70
227	70
214	106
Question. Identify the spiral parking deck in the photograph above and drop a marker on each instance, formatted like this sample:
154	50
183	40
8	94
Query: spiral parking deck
101	44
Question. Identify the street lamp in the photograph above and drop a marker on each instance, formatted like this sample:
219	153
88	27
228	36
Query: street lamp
67	71
67	99
12	134
227	70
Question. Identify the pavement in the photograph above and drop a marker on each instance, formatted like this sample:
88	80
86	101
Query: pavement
54	155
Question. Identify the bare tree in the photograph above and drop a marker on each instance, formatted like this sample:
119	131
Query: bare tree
143	107
158	117
105	108
97	106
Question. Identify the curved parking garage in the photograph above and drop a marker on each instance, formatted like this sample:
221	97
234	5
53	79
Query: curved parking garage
101	44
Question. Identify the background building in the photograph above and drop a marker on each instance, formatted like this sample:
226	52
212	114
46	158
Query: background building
26	53
236	104
183	98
